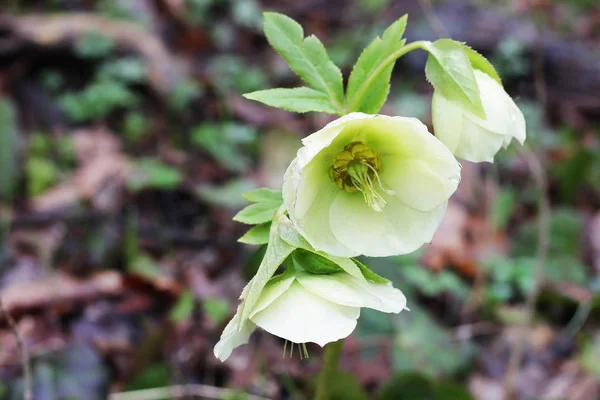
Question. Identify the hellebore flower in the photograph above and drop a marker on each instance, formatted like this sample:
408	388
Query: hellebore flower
302	307
370	184
470	137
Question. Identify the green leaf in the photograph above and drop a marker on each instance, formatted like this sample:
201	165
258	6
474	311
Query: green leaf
264	195
182	310
224	142
307	57
449	70
481	63
368	274
9	153
216	309
257	213
369	83
313	263
153	173
257	235
300	100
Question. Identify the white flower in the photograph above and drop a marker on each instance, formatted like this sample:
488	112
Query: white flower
303	307
470	137
370	184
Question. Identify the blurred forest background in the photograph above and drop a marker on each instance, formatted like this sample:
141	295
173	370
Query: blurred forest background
125	146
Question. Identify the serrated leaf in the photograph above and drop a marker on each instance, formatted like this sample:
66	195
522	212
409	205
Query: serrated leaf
369	82
257	235
449	70
307	57
257	213
314	263
264	195
300	100
481	63
368	274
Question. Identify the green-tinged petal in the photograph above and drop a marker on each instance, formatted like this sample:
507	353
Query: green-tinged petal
346	290
270	293
399	229
234	335
419	184
447	119
301	317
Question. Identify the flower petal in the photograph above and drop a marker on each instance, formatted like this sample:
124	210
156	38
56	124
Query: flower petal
399	229
301	317
420	184
271	292
233	336
346	290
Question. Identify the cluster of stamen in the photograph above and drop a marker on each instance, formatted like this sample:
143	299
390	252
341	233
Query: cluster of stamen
302	350
356	168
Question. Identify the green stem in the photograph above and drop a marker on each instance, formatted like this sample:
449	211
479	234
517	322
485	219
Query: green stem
333	351
420	44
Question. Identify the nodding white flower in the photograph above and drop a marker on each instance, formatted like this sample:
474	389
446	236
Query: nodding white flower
302	307
470	137
370	184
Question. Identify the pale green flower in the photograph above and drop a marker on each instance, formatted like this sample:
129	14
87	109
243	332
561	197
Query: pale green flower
302	307
470	137
370	184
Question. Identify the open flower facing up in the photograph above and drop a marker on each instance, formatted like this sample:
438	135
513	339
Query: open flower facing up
370	184
470	137
302	307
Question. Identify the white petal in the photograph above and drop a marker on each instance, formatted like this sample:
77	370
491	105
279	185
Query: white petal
418	183
447	117
301	317
271	292
399	229
518	128
478	144
233	336
346	290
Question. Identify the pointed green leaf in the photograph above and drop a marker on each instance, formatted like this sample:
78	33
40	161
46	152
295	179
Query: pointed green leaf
306	57
481	63
264	195
314	263
368	274
257	213
300	100
449	70
257	235
369	82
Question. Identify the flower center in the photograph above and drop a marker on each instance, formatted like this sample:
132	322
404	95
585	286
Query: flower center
357	169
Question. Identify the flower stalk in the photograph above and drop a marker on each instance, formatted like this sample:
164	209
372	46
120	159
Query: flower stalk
331	359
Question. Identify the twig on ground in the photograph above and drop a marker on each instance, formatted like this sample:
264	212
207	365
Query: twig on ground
180	391
25	359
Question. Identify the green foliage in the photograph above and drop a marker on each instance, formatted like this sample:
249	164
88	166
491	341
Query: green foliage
344	386
223	141
510	58
368	274
8	148
422	344
152	173
231	74
93	45
449	70
502	208
433	284
307	57
155	375
135	126
247	13
228	195
369	83
481	63
300	99
128	70
97	100
409	386
265	204
183	309
184	93
41	174
216	309
51	79
314	263
256	235
143	265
